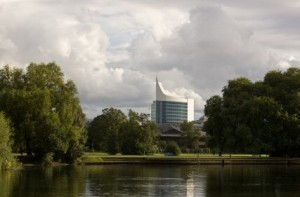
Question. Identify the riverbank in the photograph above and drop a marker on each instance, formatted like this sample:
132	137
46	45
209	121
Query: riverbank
192	159
183	159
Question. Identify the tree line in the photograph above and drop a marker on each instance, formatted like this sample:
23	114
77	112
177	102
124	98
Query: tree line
40	114
257	117
114	132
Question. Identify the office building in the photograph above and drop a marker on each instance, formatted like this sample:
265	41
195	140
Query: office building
170	109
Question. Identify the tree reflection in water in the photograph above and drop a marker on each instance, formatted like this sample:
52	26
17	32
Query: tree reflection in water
151	180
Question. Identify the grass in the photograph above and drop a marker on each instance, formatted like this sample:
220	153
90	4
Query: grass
90	159
183	155
99	157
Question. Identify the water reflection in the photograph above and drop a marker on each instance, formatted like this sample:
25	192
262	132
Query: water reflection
44	182
254	181
139	180
147	180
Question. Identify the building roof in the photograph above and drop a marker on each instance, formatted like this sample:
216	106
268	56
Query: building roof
170	130
161	94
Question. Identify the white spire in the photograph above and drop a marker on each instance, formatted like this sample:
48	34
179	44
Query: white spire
161	94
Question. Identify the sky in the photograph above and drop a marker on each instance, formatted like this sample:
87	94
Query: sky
114	49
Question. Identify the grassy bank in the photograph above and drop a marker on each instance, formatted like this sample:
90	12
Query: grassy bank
183	155
98	158
103	158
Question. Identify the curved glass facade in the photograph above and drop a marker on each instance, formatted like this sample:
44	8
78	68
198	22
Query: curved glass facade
168	112
169	109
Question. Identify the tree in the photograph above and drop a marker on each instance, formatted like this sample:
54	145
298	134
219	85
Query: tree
257	117
191	137
138	135
150	135
7	159
44	110
113	132
215	124
103	131
285	90
130	138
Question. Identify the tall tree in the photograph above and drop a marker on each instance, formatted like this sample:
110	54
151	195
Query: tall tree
138	135
7	159
285	88
103	131
251	117
44	110
191	137
215	126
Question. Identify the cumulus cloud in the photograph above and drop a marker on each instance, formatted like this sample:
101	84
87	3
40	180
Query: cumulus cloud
113	50
208	50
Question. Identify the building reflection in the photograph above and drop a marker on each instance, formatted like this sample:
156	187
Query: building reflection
196	184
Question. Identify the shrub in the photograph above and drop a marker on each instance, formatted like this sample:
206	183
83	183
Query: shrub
47	159
173	148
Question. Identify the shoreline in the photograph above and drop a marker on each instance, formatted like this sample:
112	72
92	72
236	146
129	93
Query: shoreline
171	160
192	161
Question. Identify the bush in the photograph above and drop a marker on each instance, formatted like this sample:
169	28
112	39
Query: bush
173	148
47	159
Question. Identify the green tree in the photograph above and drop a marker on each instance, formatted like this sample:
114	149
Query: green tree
215	124
285	90
150	135
44	110
251	117
138	135
191	137
7	159
130	138
103	131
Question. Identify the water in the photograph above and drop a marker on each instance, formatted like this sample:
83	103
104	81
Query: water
147	180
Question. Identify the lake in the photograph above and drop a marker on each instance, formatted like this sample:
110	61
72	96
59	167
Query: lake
149	180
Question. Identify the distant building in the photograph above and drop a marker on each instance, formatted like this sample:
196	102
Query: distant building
170	132
170	109
198	124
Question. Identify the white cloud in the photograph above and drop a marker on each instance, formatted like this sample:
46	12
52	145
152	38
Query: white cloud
114	49
208	50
